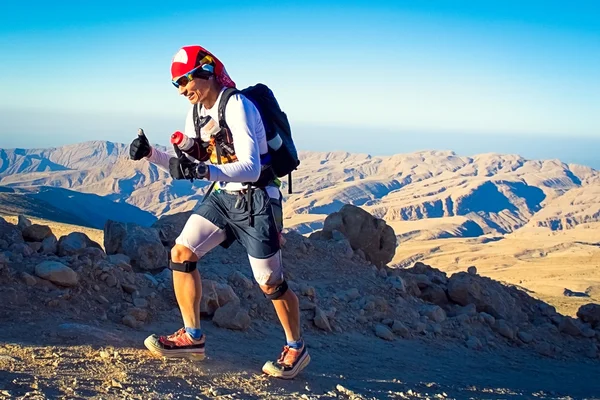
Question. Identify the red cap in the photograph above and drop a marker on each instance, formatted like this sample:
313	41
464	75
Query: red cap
190	57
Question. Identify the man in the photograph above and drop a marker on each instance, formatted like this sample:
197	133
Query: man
235	210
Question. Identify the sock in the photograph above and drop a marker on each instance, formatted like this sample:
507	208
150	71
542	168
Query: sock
297	345
195	333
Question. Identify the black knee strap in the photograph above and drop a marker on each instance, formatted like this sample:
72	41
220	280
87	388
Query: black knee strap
186	266
280	291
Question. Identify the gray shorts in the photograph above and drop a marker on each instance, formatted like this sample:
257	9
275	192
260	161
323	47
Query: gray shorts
224	218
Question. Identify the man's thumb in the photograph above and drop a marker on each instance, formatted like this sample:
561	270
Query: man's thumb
142	136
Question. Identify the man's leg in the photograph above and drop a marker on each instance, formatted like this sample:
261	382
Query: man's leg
198	237
187	286
269	275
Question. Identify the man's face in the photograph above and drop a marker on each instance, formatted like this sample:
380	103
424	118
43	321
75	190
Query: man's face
195	90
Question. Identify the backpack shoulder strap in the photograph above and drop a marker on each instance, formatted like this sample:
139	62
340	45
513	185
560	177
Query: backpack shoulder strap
223	103
196	118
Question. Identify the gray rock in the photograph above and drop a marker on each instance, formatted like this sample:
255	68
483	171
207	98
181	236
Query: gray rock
363	231
469	310
525	336
28	279
139	314
142	245
588	332
590	313
337	235
238	279
21	249
94	253
434	275
473	343
165	276
487	295
57	273
9	232
420	327
23	222
463	318
130	321
472	270
35	246
151	279
435	294
140	302
127	288
504	329
49	245
490	320
435	328
397	283
434	313
569	326
215	295
74	242
351	294
118	258
384	332
306	304
231	316
400	329
321	321
36	233
544	348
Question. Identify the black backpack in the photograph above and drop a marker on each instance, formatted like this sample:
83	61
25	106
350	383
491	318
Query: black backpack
282	151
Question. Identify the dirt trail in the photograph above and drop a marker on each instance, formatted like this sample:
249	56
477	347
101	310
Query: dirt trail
38	360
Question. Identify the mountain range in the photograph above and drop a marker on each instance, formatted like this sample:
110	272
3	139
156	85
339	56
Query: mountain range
451	195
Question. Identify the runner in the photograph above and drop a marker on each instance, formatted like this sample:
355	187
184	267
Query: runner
242	206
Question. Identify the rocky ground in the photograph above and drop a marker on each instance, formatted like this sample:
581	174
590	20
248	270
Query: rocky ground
74	318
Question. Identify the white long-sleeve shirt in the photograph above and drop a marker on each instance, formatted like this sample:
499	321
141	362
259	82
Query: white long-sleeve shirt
249	141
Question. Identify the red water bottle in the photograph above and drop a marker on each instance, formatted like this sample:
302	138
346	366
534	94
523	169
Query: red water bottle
189	145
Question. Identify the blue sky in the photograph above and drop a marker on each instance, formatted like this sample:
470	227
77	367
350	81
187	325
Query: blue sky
469	76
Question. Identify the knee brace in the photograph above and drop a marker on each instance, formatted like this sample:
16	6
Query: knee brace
186	266
280	291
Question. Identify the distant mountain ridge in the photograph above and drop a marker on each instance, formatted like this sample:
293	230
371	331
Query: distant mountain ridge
498	193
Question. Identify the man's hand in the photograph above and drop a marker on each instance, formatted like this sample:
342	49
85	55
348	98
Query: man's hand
140	147
184	168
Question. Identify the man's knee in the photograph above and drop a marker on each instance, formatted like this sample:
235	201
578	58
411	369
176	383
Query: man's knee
183	259
274	292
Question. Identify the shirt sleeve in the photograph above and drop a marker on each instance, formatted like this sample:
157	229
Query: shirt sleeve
160	158
241	116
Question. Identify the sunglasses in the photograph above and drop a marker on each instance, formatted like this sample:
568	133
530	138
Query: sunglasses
203	71
186	78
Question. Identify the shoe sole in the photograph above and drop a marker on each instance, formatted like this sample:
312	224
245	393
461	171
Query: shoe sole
191	354
271	370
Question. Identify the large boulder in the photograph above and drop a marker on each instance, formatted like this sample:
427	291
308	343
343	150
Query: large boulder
141	244
10	233
364	232
590	313
73	243
487	295
57	273
36	233
170	226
